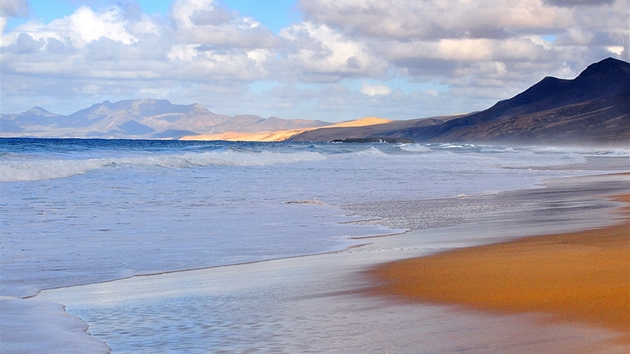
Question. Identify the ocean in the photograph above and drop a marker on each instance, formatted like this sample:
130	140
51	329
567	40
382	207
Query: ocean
86	211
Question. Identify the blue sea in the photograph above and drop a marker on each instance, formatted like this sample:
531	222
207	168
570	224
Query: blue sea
84	211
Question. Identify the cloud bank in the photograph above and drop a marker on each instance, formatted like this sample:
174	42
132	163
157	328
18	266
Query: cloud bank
343	60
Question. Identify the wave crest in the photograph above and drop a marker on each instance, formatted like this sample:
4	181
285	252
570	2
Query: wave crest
371	152
29	169
415	148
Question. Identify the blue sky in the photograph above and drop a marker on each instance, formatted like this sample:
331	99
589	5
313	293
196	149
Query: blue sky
310	59
273	14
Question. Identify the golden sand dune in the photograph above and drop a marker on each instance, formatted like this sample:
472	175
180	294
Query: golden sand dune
579	276
363	122
282	135
245	136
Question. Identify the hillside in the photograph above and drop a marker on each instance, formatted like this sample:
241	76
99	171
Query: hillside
283	135
593	108
381	131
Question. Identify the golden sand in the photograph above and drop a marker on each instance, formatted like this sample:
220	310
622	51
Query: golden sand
580	276
363	122
282	135
244	136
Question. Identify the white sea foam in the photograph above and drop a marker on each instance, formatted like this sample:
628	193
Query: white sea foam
415	148
573	150
56	331
34	169
452	146
372	151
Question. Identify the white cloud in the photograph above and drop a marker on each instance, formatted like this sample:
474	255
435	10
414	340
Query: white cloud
81	27
182	11
205	23
182	52
472	29
471	50
578	2
617	50
433	19
432	92
14	8
374	90
108	44
92	26
452	42
162	93
477	51
321	52
576	36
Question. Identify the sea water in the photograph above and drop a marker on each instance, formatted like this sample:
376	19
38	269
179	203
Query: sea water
81	211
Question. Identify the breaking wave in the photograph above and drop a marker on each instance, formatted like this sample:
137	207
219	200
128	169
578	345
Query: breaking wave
370	152
415	148
30	169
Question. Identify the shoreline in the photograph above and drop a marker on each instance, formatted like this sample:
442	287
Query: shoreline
334	283
575	277
378	220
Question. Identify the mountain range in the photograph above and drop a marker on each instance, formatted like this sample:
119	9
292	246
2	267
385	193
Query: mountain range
140	119
593	108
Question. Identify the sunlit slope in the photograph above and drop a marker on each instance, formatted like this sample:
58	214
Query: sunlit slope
363	122
281	135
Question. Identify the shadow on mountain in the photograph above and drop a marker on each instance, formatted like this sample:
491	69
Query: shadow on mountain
593	108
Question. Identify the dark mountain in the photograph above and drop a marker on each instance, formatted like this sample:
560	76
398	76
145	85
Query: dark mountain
607	78
369	132
592	108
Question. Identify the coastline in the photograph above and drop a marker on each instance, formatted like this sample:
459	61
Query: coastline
575	277
331	287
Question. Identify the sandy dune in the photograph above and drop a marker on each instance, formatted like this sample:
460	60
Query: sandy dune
283	134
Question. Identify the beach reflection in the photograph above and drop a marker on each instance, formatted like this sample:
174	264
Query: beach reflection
308	304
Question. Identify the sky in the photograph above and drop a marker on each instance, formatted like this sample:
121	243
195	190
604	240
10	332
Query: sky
332	60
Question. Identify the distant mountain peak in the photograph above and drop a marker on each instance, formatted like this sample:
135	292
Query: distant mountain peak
37	110
145	118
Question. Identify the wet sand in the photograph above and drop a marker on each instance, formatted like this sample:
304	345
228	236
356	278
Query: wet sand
578	276
318	304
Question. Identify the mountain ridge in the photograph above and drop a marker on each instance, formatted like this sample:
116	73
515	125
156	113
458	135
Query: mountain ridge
139	118
593	108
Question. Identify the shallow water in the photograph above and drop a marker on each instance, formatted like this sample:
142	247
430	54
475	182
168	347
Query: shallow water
79	211
308	305
85	211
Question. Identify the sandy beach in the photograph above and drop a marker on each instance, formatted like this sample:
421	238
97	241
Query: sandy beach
579	276
326	302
